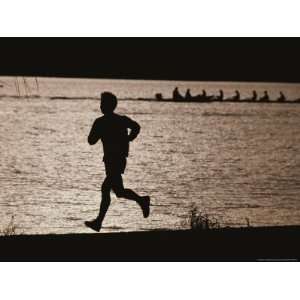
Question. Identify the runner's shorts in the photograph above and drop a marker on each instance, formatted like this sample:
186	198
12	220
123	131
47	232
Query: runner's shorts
114	165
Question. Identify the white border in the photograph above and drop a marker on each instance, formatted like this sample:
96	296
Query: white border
149	281
150	18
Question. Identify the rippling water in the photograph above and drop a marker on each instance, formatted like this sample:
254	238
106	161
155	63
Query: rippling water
235	161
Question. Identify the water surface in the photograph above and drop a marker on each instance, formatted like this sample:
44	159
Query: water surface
234	160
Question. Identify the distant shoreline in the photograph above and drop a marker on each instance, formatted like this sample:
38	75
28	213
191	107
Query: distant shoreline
169	100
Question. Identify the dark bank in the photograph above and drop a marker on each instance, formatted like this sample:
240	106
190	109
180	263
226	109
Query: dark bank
228	244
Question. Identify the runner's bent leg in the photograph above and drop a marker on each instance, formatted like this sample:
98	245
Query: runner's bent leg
121	192
105	201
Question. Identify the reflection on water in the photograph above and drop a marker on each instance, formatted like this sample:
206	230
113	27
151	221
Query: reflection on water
235	161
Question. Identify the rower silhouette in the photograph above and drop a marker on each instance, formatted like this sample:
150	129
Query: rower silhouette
281	98
237	96
112	129
188	95
204	94
254	96
265	97
176	95
221	96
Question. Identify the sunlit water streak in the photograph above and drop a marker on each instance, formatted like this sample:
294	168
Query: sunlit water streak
235	161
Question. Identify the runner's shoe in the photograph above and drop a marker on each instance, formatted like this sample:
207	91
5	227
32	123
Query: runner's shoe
145	206
94	225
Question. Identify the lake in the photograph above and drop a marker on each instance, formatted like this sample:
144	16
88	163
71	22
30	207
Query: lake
234	161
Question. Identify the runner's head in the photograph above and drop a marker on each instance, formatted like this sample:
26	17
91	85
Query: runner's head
108	103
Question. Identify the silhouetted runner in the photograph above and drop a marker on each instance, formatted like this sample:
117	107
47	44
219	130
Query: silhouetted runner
112	129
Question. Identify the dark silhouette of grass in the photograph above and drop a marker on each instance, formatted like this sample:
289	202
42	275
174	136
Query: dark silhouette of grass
26	87
11	228
17	86
200	221
37	85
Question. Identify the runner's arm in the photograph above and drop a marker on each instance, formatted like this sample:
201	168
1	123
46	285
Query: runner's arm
94	135
134	129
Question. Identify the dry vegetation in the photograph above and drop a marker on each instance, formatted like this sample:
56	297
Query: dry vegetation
199	221
10	229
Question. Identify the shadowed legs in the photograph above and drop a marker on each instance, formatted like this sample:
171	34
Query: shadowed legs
118	187
115	183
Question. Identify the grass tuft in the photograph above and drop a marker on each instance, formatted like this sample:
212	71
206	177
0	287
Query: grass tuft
10	229
200	221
